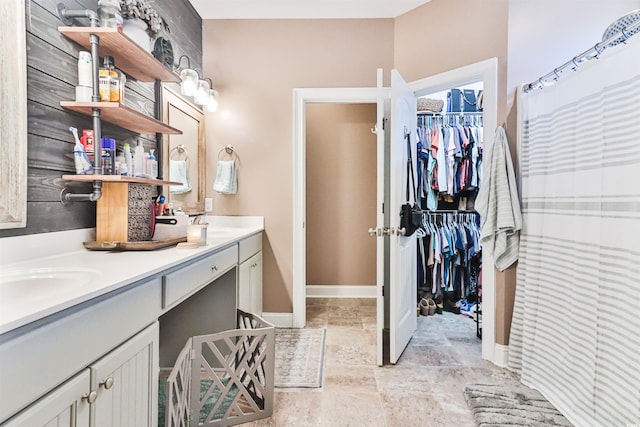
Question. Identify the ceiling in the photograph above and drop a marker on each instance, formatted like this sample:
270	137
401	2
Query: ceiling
303	9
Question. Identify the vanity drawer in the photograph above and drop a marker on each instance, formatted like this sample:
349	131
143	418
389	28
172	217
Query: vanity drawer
250	246
187	280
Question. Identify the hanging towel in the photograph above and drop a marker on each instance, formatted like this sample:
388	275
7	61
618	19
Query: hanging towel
226	182
499	206
178	173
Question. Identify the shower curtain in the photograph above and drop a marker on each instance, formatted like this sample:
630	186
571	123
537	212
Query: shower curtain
576	325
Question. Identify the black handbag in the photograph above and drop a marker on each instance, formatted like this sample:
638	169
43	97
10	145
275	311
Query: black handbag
410	214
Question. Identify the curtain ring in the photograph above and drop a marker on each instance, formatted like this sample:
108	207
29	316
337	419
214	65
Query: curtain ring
575	64
598	51
555	71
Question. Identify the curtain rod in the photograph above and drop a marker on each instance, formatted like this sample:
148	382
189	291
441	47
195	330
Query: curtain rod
585	56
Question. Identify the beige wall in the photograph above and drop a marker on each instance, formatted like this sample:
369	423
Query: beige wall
443	35
255	64
341	194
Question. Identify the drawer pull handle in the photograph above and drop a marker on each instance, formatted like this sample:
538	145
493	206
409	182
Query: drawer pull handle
107	384
214	268
90	397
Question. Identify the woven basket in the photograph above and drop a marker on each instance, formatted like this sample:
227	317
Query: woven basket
428	104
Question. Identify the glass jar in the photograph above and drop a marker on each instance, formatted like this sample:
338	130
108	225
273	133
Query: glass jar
109	13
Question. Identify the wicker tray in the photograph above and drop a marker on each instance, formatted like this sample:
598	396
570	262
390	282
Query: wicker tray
133	246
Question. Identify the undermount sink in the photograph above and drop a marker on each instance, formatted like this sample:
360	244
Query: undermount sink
21	282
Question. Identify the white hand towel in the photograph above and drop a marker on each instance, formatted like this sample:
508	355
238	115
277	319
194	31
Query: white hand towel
178	172
226	182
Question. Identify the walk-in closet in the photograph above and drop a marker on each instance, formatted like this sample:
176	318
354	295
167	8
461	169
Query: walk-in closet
448	176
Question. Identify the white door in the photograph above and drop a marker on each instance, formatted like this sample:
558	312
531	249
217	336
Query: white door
380	186
402	250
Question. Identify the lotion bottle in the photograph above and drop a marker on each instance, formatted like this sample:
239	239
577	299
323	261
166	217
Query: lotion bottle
138	160
128	160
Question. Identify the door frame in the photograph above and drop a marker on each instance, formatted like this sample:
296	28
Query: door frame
487	72
302	97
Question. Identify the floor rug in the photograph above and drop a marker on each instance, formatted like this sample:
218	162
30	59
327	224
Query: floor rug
498	405
299	357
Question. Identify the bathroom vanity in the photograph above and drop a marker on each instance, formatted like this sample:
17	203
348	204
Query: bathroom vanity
82	340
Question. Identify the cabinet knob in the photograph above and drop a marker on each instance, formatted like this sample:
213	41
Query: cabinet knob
107	384
214	268
90	397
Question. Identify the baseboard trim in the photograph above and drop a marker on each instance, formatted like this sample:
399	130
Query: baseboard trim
327	291
501	355
279	320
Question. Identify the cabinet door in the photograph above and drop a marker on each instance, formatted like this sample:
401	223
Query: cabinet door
62	407
244	285
127	383
256	284
250	285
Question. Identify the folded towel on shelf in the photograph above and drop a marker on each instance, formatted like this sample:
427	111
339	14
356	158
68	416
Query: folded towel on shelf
178	173
226	182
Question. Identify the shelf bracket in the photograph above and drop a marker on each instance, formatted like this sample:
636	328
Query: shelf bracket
66	15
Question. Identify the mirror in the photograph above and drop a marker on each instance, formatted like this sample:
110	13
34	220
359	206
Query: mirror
13	116
184	155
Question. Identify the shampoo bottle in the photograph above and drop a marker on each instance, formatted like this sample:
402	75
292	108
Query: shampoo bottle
153	165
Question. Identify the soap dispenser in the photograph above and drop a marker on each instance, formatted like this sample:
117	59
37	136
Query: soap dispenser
138	160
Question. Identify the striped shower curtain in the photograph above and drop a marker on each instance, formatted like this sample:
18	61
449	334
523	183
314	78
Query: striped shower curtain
576	324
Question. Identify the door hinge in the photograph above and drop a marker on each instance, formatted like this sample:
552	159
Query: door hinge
383	291
382	207
192	354
384	121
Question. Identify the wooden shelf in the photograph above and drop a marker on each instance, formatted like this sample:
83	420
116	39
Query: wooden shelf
123	116
130	58
118	179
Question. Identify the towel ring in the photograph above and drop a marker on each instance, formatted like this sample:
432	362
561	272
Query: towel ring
229	150
181	150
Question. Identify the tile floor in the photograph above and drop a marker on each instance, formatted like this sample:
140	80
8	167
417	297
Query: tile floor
425	388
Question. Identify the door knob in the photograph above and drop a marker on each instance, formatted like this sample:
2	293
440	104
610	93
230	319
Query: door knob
401	231
372	232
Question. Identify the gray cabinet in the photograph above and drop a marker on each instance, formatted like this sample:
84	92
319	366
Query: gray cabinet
65	406
250	285
118	390
250	275
126	382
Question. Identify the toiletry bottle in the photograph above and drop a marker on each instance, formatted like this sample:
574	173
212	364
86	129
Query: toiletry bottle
128	160
108	156
138	159
114	82
153	165
104	75
85	76
109	13
87	141
121	165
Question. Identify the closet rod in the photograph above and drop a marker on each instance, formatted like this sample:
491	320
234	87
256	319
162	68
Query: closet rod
625	33
449	211
470	113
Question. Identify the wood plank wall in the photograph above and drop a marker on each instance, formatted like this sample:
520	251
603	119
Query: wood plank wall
52	74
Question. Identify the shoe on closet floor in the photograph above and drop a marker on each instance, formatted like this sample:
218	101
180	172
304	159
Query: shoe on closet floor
424	307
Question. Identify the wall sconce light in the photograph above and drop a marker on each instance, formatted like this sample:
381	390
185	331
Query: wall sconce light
201	90
189	76
212	98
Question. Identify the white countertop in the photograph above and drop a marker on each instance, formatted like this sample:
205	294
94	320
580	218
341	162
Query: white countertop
63	251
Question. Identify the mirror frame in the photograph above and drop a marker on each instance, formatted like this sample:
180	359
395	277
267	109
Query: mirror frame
13	119
171	98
